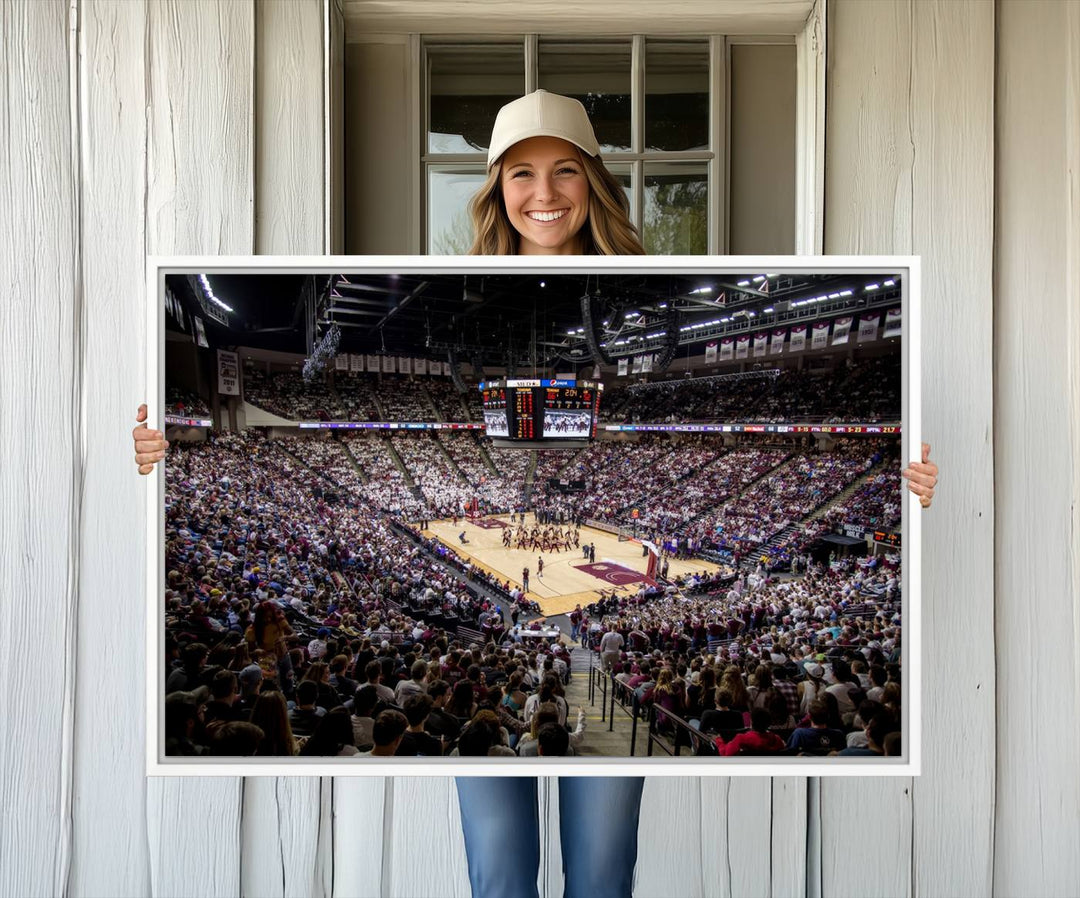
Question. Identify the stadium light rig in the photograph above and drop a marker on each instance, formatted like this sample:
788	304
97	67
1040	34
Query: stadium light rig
210	294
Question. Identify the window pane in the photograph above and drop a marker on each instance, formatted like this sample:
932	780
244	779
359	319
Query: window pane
597	74
676	95
676	208
467	85
623	175
449	192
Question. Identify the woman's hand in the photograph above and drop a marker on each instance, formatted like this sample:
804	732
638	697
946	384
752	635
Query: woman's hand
150	445
922	477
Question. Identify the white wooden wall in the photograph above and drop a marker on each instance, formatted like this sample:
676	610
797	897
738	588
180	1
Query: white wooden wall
953	132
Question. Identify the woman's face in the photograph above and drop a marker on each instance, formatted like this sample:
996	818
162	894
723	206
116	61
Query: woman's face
546	195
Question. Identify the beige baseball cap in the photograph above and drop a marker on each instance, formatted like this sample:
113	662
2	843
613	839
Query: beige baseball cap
541	114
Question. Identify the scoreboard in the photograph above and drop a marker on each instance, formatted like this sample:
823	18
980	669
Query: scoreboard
541	410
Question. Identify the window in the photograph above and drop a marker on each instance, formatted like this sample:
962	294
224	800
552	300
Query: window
656	106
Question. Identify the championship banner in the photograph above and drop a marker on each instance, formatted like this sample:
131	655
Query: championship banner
761	343
439	369
710	353
356	363
840	330
797	341
646	364
777	346
892	323
742	347
228	373
341	362
419	366
727	347
373	363
199	334
636	367
596	372
868	326
622	367
404	364
820	338
389	364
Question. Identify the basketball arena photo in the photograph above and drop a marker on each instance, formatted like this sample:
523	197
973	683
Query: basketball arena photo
514	515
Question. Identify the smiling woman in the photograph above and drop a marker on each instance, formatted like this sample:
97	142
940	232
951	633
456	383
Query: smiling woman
547	191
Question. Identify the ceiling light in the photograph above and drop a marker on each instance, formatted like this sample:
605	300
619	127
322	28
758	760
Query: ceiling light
834	296
890	283
759	278
871	287
210	293
766	311
744	283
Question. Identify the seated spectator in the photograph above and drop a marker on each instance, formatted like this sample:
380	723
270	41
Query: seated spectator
482	737
333	736
877	730
319	674
189	674
271	715
415	740
548	712
235	738
374	673
306	714
441	722
388	731
222	706
184	730
758	741
461	703
414	686
341	684
549	692
362	721
818	738
552	741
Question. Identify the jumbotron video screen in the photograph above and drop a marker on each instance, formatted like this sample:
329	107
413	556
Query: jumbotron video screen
518	411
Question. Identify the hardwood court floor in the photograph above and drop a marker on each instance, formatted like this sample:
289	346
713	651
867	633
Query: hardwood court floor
563	585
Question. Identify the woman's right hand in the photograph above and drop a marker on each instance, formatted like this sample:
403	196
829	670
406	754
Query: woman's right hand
150	445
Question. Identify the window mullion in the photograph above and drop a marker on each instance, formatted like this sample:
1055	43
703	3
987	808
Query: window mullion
532	63
637	129
717	183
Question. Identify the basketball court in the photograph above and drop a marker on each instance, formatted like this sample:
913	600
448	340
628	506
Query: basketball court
568	577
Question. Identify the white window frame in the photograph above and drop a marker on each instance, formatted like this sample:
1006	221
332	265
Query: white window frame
809	42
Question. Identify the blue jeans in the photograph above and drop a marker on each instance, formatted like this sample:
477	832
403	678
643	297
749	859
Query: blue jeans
598	822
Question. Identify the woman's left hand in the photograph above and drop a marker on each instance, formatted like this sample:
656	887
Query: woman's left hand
922	477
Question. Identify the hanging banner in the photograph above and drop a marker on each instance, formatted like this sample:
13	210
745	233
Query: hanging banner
356	363
438	369
820	337
199	335
596	372
646	364
404	364
840	330
868	326
373	363
710	353
727	349
419	366
892	323
635	368
761	343
777	345
742	347
388	364
622	367
228	373
341	362
797	341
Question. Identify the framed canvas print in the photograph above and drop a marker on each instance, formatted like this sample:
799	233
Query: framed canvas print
488	516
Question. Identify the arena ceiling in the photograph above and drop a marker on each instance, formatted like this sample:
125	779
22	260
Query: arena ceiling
519	313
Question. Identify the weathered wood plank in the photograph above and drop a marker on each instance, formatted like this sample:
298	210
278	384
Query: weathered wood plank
40	443
910	170
199	201
110	745
1037	447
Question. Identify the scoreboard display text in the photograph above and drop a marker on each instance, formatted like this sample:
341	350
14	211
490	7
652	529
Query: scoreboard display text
541	409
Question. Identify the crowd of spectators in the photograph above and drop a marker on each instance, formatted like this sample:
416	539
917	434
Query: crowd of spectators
183	402
808	665
867	391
